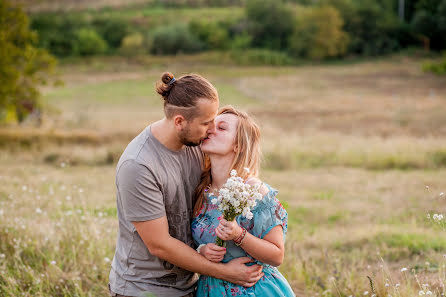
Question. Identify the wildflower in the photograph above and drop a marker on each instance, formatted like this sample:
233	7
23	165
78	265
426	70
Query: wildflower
386	285
81	190
428	293
2	256
442	194
246	169
68	198
397	285
1	212
38	210
421	293
366	293
403	269
233	172
62	164
53	262
106	259
24	188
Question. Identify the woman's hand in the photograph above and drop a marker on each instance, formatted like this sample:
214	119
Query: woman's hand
213	252
228	230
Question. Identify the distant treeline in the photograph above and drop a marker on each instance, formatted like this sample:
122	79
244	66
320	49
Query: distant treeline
283	30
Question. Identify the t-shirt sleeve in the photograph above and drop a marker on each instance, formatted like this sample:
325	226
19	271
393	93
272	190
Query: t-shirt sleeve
140	194
270	215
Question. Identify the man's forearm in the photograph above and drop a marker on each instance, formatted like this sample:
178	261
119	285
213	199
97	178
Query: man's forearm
178	253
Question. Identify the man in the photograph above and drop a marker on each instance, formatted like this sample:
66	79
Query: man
156	177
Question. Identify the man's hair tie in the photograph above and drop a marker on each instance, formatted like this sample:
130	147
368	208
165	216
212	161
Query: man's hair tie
171	81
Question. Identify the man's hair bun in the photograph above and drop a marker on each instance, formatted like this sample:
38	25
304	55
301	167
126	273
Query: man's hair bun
163	87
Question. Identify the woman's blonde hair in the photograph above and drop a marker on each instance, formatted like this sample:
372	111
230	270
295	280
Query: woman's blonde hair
248	154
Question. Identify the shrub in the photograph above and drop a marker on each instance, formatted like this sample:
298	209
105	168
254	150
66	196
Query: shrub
112	30
270	23
318	34
57	34
132	44
174	39
430	21
242	41
88	42
212	34
261	57
437	68
372	29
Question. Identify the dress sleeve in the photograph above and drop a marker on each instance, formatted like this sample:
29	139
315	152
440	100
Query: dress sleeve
268	214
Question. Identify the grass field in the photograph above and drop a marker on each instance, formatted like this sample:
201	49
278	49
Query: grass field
357	152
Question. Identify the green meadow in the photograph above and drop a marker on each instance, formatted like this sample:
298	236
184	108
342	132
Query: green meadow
356	150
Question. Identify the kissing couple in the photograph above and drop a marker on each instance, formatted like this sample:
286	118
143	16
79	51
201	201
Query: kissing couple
165	181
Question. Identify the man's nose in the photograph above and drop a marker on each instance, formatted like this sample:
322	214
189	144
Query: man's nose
211	128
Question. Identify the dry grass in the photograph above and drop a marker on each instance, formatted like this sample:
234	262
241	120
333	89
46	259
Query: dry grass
351	149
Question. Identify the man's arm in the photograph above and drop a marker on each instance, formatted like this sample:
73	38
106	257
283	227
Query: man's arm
155	234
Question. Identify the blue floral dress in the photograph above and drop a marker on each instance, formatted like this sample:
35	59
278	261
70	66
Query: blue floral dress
267	214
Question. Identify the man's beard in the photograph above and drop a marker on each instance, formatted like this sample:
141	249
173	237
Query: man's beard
184	138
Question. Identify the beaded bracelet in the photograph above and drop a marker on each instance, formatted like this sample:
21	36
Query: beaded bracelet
238	241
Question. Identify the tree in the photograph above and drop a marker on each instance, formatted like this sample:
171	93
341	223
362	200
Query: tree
271	23
430	22
22	65
318	34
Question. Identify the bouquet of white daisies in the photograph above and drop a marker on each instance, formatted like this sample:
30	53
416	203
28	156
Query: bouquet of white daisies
236	197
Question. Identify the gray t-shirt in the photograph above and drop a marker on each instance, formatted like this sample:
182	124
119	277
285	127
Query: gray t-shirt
153	181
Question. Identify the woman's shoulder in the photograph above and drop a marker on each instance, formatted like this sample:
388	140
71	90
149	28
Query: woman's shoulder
264	189
268	193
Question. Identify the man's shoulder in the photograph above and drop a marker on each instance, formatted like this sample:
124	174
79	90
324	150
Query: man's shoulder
131	157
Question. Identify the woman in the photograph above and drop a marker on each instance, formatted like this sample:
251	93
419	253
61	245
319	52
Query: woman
235	144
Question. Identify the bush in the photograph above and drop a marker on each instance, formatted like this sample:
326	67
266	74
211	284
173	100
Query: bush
88	42
270	23
132	44
318	34
372	29
112	30
437	68
241	42
261	57
430	22
58	34
212	34
174	39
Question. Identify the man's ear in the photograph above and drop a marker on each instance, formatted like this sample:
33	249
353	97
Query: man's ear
179	122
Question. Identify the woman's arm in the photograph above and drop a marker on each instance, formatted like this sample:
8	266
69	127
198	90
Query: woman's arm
269	250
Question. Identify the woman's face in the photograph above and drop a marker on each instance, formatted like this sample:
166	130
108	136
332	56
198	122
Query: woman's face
222	140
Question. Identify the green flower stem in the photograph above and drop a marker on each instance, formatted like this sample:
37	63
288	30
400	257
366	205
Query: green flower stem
229	216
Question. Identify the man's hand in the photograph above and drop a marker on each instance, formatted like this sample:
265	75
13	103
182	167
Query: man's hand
241	274
213	252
